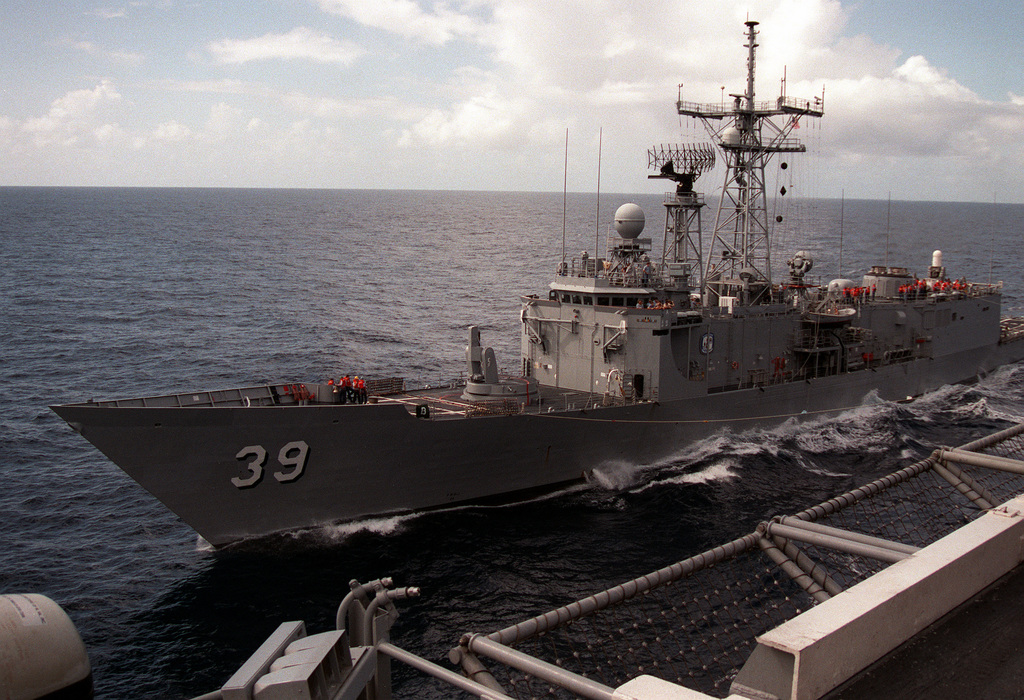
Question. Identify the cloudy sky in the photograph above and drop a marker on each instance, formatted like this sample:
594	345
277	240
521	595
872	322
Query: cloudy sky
924	99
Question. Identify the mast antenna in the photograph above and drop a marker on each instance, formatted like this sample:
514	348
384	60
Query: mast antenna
747	133
565	188
597	224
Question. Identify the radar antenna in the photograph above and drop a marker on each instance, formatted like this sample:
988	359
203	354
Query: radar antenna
683	164
748	134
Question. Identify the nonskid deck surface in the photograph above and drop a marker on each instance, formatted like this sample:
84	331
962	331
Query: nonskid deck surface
448	402
442	402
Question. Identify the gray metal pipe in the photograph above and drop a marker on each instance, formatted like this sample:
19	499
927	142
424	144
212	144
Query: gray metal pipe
625	591
976	459
813	569
840	544
973	491
789	567
432	669
849	535
386	596
474	668
584	687
359	591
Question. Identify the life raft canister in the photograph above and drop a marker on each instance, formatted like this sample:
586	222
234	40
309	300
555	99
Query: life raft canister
41	652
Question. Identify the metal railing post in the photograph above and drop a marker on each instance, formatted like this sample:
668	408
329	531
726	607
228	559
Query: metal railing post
813	569
799	576
968	487
978	459
584	687
841	544
432	669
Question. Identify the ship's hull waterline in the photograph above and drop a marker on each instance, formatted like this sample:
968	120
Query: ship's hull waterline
364	460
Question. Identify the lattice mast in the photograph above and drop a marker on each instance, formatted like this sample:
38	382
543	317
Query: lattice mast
682	255
748	135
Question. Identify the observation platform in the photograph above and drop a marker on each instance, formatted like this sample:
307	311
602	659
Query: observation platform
783	105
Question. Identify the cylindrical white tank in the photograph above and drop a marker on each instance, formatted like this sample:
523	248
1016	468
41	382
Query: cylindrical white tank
41	653
937	258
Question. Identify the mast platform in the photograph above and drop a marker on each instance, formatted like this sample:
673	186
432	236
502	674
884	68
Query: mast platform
783	105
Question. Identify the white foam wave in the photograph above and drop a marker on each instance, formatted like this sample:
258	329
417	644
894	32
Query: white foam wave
377	526
820	471
615	476
721	470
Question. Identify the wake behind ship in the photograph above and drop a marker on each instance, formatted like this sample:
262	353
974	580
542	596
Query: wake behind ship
627	357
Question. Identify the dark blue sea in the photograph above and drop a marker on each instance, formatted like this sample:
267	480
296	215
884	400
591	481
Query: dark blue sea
121	292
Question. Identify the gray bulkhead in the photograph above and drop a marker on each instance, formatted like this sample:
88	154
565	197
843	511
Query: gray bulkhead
667	354
599	341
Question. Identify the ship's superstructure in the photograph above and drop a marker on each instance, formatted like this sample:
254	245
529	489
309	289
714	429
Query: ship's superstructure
627	357
627	326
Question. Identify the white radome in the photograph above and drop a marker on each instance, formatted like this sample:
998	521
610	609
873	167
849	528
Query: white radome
629	220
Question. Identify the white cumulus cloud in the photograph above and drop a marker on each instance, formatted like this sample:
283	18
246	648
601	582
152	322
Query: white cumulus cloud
406	18
300	43
72	115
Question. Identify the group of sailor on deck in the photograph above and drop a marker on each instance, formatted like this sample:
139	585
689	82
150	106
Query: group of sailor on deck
349	390
655	304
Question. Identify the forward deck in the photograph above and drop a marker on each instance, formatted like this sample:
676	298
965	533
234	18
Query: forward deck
444	401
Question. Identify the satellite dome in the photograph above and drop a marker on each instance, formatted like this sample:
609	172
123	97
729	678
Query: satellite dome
629	220
731	136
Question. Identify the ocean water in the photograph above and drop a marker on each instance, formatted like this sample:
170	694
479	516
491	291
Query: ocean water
113	292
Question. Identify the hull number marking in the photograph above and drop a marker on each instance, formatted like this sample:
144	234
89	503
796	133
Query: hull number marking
292	456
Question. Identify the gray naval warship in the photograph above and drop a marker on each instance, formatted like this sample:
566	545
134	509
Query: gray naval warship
626	358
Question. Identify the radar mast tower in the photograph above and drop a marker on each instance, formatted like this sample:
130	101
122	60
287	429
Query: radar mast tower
748	134
682	256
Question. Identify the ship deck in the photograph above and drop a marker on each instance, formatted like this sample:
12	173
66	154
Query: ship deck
447	402
975	651
444	401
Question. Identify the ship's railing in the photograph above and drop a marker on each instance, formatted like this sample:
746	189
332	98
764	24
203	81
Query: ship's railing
1011	329
245	396
782	105
950	290
496	407
694	623
632	276
385	386
794	105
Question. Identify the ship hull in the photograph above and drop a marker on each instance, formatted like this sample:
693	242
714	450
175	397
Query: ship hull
238	472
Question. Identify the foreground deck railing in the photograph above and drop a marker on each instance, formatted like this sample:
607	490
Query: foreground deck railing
693	623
